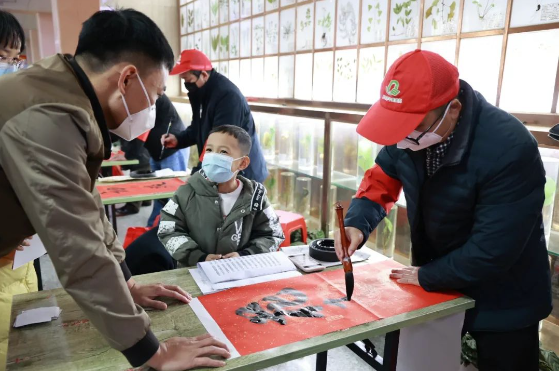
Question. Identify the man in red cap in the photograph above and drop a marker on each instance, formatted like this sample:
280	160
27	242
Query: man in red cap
474	186
215	101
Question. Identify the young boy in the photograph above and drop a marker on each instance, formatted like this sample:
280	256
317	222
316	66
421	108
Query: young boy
219	214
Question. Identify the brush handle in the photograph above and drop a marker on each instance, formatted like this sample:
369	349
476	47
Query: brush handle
343	240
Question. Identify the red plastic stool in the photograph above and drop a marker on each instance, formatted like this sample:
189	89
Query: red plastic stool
133	233
291	222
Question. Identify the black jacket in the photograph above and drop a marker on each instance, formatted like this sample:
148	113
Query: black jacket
219	102
165	113
476	224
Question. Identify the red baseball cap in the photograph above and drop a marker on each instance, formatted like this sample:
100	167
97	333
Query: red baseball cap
416	83
191	60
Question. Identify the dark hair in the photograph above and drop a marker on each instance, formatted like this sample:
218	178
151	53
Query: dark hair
11	32
112	36
243	138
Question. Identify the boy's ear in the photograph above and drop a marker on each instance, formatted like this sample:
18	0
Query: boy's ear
245	161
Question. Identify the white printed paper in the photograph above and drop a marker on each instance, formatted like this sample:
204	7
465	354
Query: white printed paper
29	253
248	266
207	287
38	315
211	326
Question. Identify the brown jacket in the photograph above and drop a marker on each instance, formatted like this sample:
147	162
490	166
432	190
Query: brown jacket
53	138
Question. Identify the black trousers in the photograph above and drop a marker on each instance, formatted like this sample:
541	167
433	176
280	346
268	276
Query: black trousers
147	255
508	351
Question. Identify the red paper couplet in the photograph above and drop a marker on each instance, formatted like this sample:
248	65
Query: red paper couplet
140	188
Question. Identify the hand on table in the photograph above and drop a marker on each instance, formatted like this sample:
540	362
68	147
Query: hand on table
231	255
24	244
144	295
406	275
169	141
177	354
213	257
355	238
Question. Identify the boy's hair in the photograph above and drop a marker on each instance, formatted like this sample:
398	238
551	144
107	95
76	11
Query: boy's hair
243	138
112	36
11	32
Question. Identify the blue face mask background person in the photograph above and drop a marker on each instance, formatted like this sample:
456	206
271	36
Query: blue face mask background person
12	43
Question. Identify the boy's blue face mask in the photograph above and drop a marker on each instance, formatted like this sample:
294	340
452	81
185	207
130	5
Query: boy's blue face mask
217	167
6	68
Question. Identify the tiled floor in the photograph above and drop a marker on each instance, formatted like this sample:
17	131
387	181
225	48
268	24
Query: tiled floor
338	359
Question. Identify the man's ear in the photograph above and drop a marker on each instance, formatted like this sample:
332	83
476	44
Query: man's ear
245	161
455	109
125	76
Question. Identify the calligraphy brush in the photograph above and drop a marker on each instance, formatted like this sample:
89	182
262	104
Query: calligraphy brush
346	262
163	145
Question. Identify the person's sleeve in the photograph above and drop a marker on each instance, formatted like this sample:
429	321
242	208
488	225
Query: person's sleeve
266	232
52	184
509	205
229	110
376	196
110	238
173	231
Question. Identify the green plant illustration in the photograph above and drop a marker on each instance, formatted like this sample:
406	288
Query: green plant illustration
182	20
365	159
269	137
325	22
287	30
437	12
483	10
214	6
272	34
272	1
307	22
235	9
259	36
224	44
343	68
374	16
215	42
386	231
347	24
369	64
190	17
404	11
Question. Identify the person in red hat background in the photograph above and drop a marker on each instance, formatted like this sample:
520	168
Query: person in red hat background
474	186
215	101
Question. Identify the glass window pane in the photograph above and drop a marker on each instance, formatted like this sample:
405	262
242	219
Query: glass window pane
481	15
324	27
271	77
404	19
445	48
190	17
244	83
481	73
305	27
304	76
271	5
370	75
287	2
184	44
245	8
223	69
234	71
215	43
287	30
234	40
233	10
190	42
206	42
197	40
258	6
183	20
525	13
257	79
205	13
214	10
345	76
224	11
258	36
374	21
224	42
286	74
245	40
530	89
197	16
347	22
396	51
440	17
183	2
322	76
271	29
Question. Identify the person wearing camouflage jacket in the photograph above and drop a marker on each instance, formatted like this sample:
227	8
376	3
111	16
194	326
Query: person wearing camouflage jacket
192	224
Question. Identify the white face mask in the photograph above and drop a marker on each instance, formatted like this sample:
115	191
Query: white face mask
138	123
428	139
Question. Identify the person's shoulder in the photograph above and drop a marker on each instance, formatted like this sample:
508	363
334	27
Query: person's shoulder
256	191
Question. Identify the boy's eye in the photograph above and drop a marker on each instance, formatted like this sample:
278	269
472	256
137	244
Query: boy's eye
208	150
223	151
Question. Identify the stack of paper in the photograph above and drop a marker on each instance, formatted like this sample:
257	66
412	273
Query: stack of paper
38	315
246	270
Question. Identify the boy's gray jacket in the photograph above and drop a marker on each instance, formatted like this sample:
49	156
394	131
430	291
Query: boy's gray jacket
192	223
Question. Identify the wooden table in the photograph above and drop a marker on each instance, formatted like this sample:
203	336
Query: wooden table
109	163
69	343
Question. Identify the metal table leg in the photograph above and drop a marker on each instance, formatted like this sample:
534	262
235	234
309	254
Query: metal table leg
321	363
389	355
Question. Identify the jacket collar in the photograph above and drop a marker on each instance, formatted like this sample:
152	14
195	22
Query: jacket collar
96	106
202	93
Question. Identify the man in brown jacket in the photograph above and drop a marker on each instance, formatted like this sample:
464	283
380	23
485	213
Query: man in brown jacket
55	119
